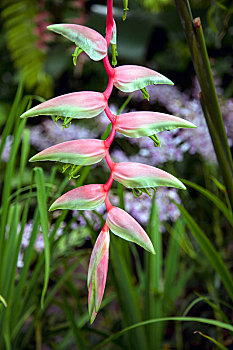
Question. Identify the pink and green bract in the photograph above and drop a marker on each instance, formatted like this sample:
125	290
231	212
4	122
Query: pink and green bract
88	104
77	152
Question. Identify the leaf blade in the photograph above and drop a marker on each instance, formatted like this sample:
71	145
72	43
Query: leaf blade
41	197
212	255
164	319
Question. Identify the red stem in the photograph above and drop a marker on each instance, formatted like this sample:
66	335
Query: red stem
111	72
110	138
108	184
107	203
109	21
110	115
109	161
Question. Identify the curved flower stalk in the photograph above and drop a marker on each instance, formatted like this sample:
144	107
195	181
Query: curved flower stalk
136	176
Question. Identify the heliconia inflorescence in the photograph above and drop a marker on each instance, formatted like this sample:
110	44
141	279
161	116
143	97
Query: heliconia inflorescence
88	104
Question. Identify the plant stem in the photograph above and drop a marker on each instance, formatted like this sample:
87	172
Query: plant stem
209	100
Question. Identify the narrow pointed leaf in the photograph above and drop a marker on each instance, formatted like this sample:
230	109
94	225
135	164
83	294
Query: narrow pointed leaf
126	227
139	124
81	198
130	78
218	344
84	104
97	272
209	250
137	175
90	41
78	152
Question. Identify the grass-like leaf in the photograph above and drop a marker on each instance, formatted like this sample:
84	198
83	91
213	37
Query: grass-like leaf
41	197
217	343
164	319
153	271
208	249
214	199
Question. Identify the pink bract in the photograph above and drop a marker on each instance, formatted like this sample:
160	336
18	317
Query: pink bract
125	226
97	272
137	175
139	124
130	78
88	104
90	41
84	104
81	198
78	152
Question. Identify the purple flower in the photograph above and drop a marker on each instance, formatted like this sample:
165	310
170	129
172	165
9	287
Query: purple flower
7	148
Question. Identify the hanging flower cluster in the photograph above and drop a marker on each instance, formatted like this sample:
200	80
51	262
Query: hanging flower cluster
88	104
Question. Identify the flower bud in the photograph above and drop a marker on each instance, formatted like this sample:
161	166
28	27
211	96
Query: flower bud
78	152
84	104
97	272
132	78
87	39
125	226
139	124
137	175
81	198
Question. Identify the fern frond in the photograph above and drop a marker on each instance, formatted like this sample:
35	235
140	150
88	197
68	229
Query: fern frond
18	23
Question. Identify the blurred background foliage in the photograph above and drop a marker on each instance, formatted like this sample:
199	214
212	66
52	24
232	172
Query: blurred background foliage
187	276
150	35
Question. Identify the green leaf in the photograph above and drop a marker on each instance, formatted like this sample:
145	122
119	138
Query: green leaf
208	249
164	319
214	199
3	301
41	197
219	345
153	271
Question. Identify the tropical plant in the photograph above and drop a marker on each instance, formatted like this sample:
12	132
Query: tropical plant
138	177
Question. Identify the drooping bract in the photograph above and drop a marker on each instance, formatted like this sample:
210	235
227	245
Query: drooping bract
88	104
